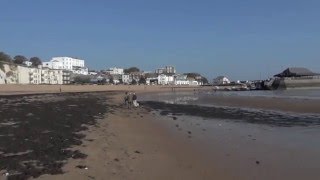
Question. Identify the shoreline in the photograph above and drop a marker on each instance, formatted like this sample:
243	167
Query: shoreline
7	90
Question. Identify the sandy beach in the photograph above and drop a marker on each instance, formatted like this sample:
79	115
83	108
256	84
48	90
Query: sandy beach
93	136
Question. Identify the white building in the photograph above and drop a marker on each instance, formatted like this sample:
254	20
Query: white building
221	80
194	83
27	63
35	76
166	70
126	79
160	71
12	74
22	75
93	73
181	80
51	76
2	77
115	71
74	65
170	69
165	80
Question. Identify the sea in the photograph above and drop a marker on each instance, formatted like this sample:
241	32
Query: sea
185	97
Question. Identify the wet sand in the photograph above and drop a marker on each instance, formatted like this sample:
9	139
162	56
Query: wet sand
92	136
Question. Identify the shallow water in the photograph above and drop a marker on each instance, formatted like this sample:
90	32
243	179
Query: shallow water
247	143
252	151
290	93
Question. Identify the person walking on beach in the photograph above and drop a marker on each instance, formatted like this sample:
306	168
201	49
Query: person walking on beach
130	100
134	99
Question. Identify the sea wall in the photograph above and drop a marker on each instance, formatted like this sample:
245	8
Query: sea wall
299	83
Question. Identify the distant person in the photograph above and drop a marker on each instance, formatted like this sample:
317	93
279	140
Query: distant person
125	98
134	100
130	100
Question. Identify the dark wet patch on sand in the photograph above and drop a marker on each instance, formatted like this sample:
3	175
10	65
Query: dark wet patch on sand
37	136
271	118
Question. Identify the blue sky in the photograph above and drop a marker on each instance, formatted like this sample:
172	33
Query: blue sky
245	39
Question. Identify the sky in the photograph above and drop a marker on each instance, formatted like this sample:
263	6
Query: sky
243	40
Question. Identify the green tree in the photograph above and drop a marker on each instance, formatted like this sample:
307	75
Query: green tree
111	80
19	59
5	57
102	81
131	70
204	80
81	79
192	75
142	80
133	82
35	61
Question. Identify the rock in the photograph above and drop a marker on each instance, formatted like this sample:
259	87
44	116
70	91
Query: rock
257	162
82	167
138	152
29	114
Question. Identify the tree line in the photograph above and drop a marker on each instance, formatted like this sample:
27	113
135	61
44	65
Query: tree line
19	59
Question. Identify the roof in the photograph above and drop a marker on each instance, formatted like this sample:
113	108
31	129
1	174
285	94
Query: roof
151	75
220	77
296	72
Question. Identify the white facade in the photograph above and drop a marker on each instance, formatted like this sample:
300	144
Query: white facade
27	75
23	75
170	69
194	83
2	77
220	80
166	70
93	73
181	80
160	71
68	63
165	80
34	76
115	70
51	76
27	63
75	65
126	79
80	70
